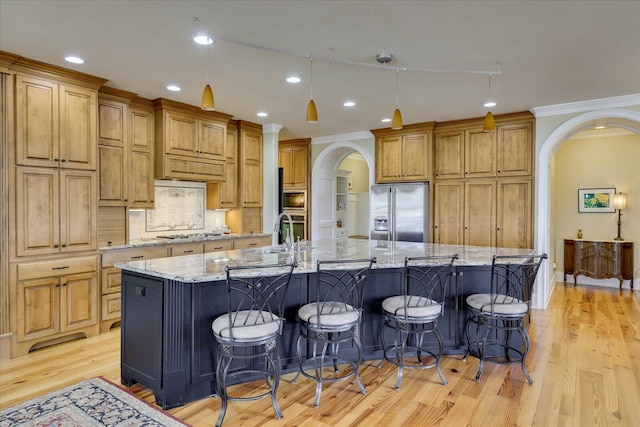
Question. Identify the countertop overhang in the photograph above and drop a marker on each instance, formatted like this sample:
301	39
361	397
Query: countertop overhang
211	266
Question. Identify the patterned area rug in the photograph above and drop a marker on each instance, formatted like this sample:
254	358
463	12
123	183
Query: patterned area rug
94	402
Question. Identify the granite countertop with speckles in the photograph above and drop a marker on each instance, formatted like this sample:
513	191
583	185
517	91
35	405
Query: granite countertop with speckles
211	266
204	237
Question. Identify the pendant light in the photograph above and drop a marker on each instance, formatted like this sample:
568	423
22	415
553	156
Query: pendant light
312	113
207	103
489	122
396	122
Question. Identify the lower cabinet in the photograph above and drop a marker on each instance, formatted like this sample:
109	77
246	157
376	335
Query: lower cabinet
53	299
252	242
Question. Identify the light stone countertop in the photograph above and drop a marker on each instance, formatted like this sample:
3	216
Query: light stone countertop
211	266
143	243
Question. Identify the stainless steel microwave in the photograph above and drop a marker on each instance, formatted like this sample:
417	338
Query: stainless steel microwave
294	199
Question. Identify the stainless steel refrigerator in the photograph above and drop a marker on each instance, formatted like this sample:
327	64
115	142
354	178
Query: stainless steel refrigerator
400	212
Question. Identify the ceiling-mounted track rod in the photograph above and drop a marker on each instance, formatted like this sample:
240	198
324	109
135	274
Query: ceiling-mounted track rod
332	59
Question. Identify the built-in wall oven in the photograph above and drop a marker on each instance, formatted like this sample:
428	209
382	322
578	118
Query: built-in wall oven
299	220
294	200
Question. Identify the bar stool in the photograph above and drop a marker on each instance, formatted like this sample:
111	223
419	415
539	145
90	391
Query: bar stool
502	311
416	312
249	330
333	317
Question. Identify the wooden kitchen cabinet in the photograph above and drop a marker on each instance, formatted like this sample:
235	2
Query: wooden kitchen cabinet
190	142
56	211
480	213
514	152
218	245
53	298
293	158
448	216
113	151
479	153
514	213
404	156
55	124
247	217
142	162
251	242
449	154
224	194
187	249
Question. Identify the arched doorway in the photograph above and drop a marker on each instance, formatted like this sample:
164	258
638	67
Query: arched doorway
625	119
323	181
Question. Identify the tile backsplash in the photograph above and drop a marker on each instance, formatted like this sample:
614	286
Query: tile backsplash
168	206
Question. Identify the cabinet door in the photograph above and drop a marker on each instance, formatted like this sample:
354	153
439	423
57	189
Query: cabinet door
285	161
111	122
37	122
415	157
300	156
514	214
388	160
448	213
180	137
229	187
479	153
449	155
515	149
78	301
480	213
211	140
251	168
38	303
37	214
113	172
78	211
142	139
143	188
218	245
78	134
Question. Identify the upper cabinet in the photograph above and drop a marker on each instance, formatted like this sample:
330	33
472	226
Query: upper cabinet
404	155
224	194
55	124
113	153
464	150
293	158
190	142
142	189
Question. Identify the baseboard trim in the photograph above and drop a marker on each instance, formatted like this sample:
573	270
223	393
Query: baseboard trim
5	347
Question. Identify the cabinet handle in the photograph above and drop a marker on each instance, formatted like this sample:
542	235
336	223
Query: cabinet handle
58	285
187	252
137	256
56	160
63	160
126	200
64	284
435	226
218	247
461	273
64	245
109	243
60	268
466	228
253	244
56	246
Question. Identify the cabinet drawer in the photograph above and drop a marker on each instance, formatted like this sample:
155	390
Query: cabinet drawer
252	242
110	307
56	267
187	249
111	279
218	245
191	168
110	258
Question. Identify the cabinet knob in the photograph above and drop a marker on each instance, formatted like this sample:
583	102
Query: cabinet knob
499	171
435	226
126	200
56	246
56	160
498	228
64	245
58	285
64	284
63	160
437	174
466	228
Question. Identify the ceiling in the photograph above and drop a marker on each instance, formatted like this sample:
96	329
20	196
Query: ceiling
551	52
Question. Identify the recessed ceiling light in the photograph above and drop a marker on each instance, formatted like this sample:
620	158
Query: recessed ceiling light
293	79
74	59
174	88
203	39
262	114
349	104
385	120
490	104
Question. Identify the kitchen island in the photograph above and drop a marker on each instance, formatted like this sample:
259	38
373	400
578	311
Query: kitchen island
168	305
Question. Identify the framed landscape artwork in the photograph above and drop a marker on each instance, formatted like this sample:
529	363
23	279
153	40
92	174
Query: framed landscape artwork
596	200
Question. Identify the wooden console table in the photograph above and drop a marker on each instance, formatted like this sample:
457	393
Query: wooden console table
598	259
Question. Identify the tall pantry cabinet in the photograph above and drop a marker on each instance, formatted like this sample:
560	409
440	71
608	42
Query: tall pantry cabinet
53	186
483	187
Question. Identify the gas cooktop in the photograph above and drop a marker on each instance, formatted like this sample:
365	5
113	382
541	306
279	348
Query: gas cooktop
187	236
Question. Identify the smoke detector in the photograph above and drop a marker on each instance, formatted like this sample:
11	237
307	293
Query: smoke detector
383	58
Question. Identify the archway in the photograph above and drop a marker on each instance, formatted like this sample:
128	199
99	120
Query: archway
323	181
625	119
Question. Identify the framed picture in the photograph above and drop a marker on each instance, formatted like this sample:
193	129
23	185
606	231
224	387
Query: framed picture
350	183
596	200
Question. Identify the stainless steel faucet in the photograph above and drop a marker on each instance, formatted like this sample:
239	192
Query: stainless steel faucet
289	239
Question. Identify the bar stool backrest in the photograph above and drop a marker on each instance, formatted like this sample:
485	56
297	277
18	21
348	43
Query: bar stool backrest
260	290
426	280
513	278
339	287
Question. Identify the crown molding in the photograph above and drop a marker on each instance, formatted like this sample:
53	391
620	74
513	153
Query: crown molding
271	128
582	106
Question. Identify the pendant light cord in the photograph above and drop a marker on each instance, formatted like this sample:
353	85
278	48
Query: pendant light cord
397	78
311	79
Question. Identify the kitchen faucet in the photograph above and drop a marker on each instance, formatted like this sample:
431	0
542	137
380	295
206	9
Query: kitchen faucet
289	239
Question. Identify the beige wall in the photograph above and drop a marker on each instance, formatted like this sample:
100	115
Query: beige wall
595	162
359	174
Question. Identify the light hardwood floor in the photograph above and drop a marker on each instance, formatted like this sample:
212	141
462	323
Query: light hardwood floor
585	363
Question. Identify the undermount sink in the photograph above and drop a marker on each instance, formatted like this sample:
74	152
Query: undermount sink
274	249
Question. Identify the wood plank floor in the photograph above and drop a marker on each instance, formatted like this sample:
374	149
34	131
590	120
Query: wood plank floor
585	363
